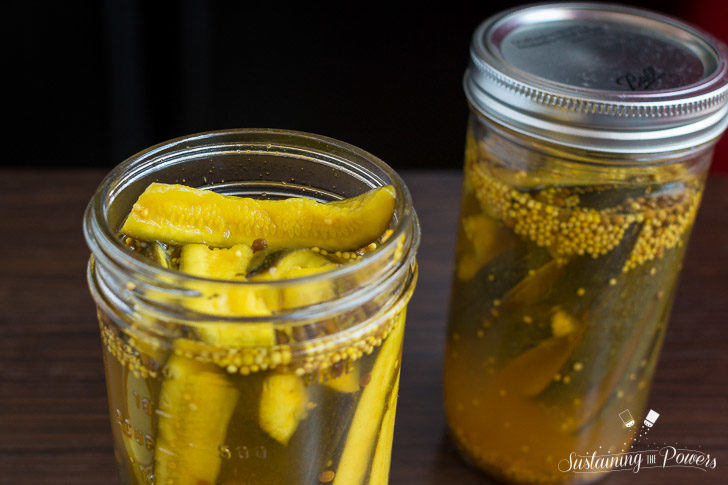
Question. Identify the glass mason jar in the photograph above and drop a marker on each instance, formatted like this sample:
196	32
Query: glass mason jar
591	132
304	395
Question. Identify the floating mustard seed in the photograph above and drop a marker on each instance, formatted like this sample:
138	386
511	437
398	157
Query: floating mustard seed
580	291
578	366
562	324
326	476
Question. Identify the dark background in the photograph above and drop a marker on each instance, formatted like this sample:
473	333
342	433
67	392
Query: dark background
102	80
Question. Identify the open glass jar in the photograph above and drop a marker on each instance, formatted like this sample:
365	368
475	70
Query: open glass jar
305	394
591	133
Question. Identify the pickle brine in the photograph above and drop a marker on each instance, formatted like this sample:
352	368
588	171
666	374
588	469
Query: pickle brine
559	303
219	402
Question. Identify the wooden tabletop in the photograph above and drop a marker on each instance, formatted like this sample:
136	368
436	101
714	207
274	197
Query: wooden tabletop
54	425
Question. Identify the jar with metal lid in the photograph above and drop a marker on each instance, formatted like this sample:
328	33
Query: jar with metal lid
592	128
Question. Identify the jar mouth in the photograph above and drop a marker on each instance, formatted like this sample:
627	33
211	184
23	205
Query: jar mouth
169	157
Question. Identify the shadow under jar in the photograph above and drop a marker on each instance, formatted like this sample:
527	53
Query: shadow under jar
303	394
591	133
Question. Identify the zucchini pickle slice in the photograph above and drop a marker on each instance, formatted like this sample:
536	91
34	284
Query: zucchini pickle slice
212	236
282	406
365	427
195	406
383	451
178	214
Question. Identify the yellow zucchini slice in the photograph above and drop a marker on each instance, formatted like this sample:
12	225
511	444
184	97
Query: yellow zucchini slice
362	436
284	397
533	370
178	214
197	400
292	262
195	406
383	451
297	264
231	264
347	382
282	406
225	264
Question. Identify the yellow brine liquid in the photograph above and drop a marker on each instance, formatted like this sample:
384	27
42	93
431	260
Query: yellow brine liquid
254	403
562	289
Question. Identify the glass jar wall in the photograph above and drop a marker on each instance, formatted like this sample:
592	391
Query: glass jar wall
565	270
204	386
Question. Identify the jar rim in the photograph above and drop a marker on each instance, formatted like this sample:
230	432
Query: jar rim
108	248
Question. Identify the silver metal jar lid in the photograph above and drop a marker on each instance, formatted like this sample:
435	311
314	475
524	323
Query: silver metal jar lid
600	77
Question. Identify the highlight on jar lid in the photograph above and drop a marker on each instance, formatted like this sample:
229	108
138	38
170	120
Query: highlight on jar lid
600	77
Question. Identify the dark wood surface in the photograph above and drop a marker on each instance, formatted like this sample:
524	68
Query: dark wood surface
54	426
